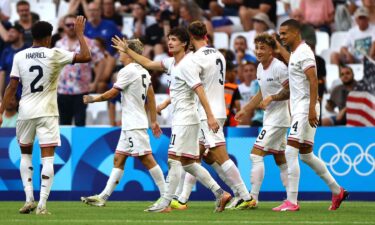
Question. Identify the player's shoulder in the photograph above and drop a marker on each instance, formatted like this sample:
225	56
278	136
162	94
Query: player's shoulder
279	64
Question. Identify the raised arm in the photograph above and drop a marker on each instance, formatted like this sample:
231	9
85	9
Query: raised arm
152	109
212	123
102	97
84	54
122	45
313	80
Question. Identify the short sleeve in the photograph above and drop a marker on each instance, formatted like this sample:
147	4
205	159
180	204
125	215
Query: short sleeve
15	72
167	64
282	72
64	57
190	73
124	78
307	59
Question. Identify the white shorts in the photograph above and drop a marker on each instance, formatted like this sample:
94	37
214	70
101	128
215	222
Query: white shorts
184	141
134	143
210	139
272	139
300	130
45	128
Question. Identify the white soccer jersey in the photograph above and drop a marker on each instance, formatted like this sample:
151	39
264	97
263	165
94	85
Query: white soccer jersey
38	70
300	60
210	64
133	81
182	93
271	81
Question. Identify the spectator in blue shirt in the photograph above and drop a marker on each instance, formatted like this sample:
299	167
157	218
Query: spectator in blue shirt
97	27
16	44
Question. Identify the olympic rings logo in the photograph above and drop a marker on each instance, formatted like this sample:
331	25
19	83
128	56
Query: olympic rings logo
364	156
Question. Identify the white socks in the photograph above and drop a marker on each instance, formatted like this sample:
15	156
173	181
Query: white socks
26	170
284	175
291	154
174	177
112	182
257	174
233	175
47	180
219	170
189	183
158	177
320	168
204	177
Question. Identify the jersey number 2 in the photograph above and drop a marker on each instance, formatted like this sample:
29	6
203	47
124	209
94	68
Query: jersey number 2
219	62
37	78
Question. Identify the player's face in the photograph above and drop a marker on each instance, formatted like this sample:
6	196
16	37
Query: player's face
175	45
263	52
286	36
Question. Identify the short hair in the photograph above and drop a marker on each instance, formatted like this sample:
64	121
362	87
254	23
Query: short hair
230	66
22	2
292	23
198	30
69	16
41	30
136	45
265	39
182	35
241	37
342	66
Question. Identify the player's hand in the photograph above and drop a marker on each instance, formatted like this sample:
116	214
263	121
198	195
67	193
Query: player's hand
213	124
240	115
156	131
313	119
120	44
79	26
265	102
87	99
159	108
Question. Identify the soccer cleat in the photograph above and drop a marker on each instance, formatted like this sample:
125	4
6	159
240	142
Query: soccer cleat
337	199
233	202
27	208
42	211
286	206
175	204
159	208
222	202
250	204
93	201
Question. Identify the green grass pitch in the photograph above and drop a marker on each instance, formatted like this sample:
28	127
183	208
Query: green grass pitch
198	213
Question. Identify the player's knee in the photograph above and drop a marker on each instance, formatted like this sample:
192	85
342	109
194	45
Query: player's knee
209	159
256	158
291	152
306	157
119	161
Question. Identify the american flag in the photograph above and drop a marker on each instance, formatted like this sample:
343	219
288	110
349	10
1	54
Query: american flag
361	102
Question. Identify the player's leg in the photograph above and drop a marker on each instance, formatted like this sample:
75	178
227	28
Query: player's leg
280	161
155	171
257	171
25	130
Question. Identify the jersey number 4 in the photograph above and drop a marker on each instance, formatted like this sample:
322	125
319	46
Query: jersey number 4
37	78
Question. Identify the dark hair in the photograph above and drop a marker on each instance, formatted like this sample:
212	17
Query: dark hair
342	66
17	27
265	39
294	24
69	16
198	30
41	30
241	37
182	35
22	3
230	66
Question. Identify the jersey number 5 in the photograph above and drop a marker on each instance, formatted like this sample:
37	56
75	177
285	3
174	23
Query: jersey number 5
37	78
219	62
144	85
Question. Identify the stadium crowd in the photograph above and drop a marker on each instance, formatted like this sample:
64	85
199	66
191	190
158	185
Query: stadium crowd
231	24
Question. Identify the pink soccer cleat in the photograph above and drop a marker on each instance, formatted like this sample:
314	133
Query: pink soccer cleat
286	206
337	199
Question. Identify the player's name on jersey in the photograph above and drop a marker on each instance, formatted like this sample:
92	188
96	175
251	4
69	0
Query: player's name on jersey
34	55
209	51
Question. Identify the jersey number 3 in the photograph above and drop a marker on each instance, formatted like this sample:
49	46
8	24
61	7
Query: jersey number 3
219	62
37	78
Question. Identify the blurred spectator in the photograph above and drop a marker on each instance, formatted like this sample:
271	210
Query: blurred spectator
230	8
291	5
170	14
27	19
242	54
4	10
343	17
75	79
11	113
245	88
141	20
370	5
153	37
97	27
109	67
4	26
16	44
307	31
231	94
360	38
250	8
109	13
189	12
319	13
126	6
261	23
339	96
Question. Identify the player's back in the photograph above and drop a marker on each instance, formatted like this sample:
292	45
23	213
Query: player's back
134	82
211	67
38	70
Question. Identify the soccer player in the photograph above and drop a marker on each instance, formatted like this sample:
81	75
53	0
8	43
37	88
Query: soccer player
304	108
134	83
184	147
38	69
210	65
272	75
